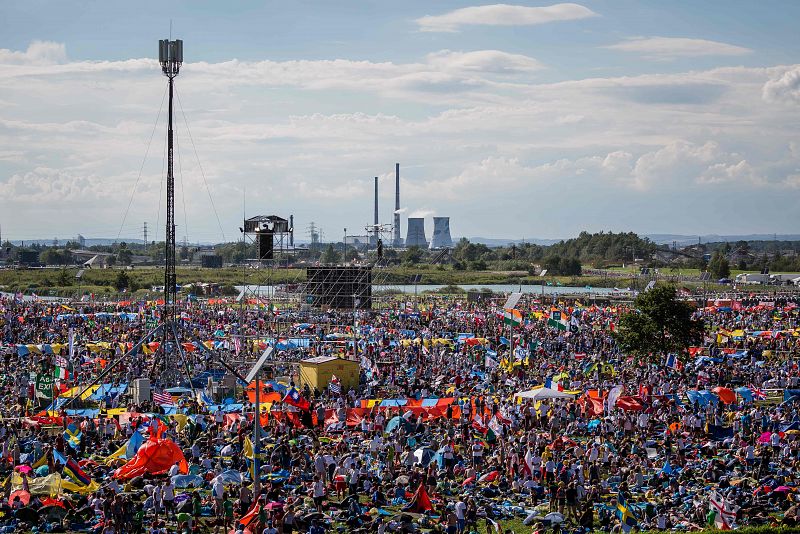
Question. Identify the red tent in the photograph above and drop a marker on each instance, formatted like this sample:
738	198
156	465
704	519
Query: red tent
420	503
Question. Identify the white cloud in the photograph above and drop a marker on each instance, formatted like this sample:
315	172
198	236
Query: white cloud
38	53
675	47
483	62
473	130
503	15
784	88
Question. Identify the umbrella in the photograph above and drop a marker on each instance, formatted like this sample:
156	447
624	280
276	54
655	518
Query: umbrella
23	495
468	481
53	512
275	505
397	422
27	514
554	517
402	480
783	489
423	456
23	469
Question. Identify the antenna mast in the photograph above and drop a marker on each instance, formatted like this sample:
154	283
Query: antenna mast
170	55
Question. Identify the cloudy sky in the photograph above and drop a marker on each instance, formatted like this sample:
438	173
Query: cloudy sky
516	120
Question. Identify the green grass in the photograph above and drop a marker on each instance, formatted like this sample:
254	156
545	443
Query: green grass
62	282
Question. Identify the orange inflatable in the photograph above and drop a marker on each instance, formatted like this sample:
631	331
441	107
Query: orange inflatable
154	457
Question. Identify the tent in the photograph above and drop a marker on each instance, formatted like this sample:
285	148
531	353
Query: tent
544	393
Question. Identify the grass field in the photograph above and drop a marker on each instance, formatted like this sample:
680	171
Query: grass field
62	282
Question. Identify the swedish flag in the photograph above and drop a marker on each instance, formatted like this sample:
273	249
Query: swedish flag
625	514
72	435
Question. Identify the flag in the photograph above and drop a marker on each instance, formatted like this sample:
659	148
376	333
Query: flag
625	514
163	398
237	344
556	321
72	469
489	362
72	435
758	394
335	386
553	384
71	343
512	317
293	398
477	424
725	512
672	362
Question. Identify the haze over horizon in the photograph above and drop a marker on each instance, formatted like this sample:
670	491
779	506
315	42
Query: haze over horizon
535	119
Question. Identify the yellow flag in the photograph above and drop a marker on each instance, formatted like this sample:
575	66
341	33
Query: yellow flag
247	450
119	453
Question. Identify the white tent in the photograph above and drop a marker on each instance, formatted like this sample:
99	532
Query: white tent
544	393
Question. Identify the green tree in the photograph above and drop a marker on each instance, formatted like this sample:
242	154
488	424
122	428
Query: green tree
124	256
122	281
719	266
412	256
659	325
330	255
64	279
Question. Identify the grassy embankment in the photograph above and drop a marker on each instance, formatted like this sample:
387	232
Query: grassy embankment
62	282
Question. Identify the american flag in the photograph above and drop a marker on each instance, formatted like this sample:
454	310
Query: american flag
758	394
163	398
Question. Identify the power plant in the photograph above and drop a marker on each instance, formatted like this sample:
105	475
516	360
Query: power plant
441	233
416	233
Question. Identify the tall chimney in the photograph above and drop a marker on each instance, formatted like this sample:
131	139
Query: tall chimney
291	230
375	222
397	241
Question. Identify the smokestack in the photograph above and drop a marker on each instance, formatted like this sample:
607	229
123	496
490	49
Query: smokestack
376	204
291	230
374	237
397	241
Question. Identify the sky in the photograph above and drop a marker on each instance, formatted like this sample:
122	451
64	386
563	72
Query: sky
533	119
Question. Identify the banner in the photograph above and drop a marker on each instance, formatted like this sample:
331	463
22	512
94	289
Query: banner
44	386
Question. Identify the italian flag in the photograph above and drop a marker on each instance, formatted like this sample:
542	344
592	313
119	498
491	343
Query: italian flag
62	373
512	317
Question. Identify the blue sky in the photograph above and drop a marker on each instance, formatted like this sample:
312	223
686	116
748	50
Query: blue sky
526	119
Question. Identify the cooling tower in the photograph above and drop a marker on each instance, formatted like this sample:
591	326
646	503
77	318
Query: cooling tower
416	232
441	233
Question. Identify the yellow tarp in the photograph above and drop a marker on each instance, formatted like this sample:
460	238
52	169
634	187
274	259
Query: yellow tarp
51	485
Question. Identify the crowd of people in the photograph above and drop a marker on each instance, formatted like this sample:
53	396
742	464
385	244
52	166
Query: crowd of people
464	418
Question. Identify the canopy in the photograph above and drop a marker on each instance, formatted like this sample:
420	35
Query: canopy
544	393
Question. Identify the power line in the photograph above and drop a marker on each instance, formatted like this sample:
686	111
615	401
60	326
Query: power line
202	173
141	167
